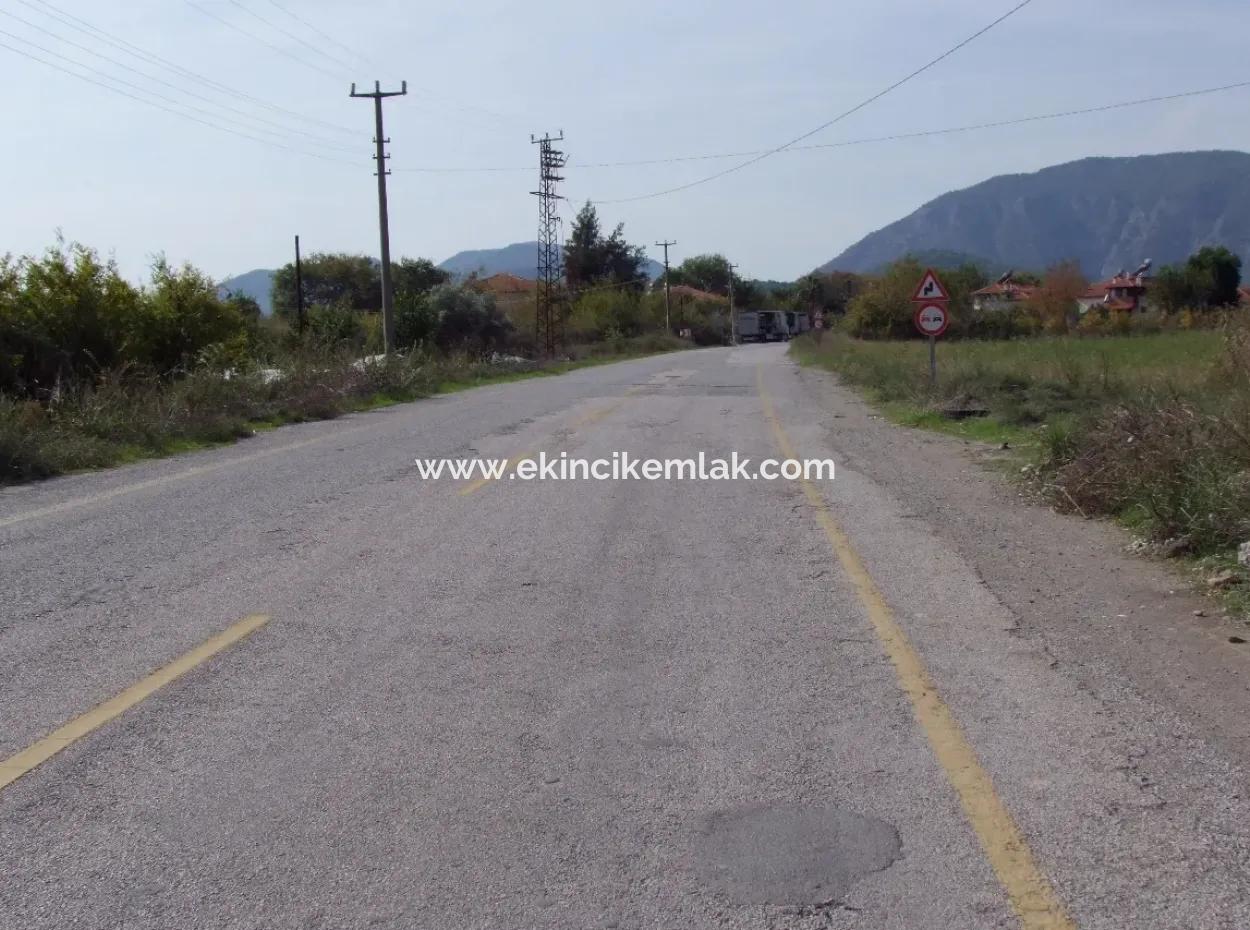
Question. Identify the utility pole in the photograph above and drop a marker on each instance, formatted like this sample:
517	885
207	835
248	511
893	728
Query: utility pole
668	304
299	290
548	318
733	317
384	225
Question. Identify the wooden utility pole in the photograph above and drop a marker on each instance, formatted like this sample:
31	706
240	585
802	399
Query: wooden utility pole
733	316
668	300
299	290
384	226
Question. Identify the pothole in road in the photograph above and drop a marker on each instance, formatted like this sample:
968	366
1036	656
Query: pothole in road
791	854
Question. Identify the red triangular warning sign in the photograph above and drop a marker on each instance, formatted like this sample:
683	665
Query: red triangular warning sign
930	288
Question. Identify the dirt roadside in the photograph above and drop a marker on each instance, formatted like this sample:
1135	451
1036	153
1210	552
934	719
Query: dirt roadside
1108	617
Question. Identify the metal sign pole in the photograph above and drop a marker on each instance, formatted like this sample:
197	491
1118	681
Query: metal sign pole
933	361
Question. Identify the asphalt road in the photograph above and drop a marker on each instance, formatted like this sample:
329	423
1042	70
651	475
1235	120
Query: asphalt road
876	701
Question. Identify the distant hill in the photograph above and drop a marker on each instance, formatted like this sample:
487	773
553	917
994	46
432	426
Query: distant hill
255	284
1107	213
950	258
520	259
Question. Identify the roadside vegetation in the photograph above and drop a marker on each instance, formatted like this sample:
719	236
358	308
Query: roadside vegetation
1145	419
95	370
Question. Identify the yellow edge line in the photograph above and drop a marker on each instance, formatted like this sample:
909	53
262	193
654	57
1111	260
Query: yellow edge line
1034	899
192	472
14	767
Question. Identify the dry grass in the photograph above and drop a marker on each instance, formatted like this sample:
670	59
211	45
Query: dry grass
1153	428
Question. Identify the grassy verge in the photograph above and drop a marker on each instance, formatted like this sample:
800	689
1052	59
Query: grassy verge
1152	429
124	419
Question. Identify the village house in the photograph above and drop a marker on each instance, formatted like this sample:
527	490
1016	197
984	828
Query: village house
688	294
503	285
1003	294
1123	292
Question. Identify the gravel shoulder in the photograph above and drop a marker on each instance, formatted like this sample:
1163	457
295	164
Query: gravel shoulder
1109	617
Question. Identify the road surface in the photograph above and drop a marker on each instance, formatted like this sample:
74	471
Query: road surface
900	698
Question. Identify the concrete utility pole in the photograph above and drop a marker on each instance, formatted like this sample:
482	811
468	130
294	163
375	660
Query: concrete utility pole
299	289
733	317
384	225
668	300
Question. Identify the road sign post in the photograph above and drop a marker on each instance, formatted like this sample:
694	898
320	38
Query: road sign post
931	299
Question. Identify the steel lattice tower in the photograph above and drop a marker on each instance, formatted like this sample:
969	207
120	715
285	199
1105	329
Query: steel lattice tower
549	318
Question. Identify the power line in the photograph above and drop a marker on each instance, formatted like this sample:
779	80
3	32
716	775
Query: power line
290	35
430	98
825	125
159	106
280	131
329	38
265	42
81	25
950	130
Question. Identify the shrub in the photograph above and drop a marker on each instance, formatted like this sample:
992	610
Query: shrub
337	327
468	322
416	321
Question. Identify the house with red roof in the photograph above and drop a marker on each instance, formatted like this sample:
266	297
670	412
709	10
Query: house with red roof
686	292
1122	292
1003	294
504	285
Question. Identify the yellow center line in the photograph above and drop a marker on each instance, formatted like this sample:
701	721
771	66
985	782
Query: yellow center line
478	483
582	422
1035	901
14	767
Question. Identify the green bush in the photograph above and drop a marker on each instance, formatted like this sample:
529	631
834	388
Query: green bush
468	322
416	321
337	327
606	314
67	317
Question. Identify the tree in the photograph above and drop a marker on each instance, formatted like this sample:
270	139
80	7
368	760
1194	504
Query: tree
1215	273
1209	278
330	279
884	310
416	321
181	315
1054	301
64	316
622	262
247	306
352	282
709	273
581	251
589	258
414	276
1173	289
468	321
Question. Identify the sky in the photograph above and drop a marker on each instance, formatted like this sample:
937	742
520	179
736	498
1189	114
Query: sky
633	81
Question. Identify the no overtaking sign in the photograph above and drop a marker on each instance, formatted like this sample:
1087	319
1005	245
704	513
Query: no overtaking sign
931	317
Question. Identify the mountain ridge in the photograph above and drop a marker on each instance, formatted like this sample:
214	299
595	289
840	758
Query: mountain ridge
519	258
1105	212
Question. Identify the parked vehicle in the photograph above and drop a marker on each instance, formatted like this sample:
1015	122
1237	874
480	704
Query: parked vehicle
798	322
763	326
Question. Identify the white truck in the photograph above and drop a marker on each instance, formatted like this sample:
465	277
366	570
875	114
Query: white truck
763	326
